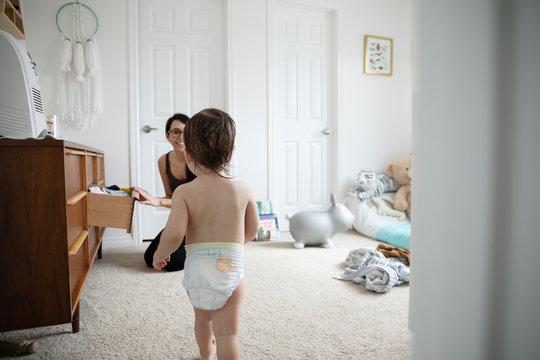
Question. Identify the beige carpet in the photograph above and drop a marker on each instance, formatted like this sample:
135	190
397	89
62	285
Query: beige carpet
293	309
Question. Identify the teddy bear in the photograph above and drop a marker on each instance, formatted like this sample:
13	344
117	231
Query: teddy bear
401	170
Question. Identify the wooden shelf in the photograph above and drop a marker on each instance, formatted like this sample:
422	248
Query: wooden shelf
11	18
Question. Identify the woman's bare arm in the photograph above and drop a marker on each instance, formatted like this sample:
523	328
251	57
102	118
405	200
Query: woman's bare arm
146	198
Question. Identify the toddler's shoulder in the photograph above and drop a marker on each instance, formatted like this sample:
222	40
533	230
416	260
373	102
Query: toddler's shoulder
241	185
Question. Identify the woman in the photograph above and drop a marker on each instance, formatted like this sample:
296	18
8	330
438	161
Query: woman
174	172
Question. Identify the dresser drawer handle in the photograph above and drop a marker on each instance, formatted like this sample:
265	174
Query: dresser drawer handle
74	152
74	249
75	198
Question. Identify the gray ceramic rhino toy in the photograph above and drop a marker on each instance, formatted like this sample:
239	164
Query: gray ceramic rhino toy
312	227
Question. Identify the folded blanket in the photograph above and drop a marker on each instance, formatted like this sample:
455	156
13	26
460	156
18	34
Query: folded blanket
374	271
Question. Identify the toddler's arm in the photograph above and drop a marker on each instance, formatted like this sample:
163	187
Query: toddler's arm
174	231
251	220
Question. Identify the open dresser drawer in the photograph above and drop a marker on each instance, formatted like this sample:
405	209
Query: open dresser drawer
110	211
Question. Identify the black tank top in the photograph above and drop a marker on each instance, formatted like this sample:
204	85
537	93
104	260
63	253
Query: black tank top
174	182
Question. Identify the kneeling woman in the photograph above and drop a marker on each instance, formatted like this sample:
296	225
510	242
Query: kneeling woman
174	172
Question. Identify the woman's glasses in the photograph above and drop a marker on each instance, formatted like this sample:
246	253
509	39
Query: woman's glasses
175	132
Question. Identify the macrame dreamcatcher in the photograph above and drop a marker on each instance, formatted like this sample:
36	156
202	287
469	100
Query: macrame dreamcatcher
79	91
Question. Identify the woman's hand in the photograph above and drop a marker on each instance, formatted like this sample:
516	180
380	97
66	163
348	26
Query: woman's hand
145	197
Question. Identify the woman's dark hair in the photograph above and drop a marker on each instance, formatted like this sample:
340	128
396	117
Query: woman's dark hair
183	118
209	137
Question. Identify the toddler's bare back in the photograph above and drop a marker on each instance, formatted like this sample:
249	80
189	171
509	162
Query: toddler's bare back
217	209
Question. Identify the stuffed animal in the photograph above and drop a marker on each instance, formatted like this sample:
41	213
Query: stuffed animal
310	227
385	208
401	170
394	251
372	185
370	188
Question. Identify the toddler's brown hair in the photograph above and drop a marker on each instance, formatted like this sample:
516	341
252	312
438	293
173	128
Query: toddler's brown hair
209	137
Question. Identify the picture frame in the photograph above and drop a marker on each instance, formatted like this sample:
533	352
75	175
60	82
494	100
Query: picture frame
378	53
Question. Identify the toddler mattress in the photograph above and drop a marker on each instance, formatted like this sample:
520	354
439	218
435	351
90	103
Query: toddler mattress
387	229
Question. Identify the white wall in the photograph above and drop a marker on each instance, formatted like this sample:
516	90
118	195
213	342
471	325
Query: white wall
375	111
475	243
110	131
249	91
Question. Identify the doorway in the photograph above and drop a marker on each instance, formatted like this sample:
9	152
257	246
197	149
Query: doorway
181	69
303	109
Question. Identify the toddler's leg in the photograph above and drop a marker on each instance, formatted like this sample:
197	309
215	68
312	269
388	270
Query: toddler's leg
226	322
203	334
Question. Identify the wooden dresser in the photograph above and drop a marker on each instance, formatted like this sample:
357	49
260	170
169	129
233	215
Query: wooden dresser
50	229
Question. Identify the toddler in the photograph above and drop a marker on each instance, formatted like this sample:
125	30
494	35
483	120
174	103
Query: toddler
218	216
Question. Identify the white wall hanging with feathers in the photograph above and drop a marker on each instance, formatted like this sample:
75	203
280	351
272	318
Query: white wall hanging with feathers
79	90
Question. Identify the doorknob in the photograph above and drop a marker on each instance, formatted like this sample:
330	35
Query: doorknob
148	128
326	131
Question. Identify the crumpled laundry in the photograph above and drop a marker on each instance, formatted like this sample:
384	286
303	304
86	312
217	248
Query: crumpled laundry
356	257
369	267
112	190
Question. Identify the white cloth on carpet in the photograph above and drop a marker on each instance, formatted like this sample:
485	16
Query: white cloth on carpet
369	267
357	257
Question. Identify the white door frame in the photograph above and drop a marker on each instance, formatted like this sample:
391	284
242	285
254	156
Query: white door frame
334	166
133	98
133	101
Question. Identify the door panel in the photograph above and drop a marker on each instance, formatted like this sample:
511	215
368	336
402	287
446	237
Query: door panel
181	69
302	109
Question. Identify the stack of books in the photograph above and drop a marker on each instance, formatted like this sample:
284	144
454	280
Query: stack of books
269	228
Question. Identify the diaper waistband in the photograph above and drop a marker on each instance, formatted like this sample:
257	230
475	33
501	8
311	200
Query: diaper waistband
214	245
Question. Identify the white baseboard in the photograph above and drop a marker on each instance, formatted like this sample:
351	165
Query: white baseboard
115	243
113	238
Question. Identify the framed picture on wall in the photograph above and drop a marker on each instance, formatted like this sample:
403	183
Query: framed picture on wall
378	55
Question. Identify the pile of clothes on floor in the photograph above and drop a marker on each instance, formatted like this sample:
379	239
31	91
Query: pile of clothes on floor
378	269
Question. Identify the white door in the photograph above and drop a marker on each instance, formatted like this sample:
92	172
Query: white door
181	69
302	109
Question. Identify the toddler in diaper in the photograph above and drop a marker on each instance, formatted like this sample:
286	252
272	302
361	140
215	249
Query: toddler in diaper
212	272
218	207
